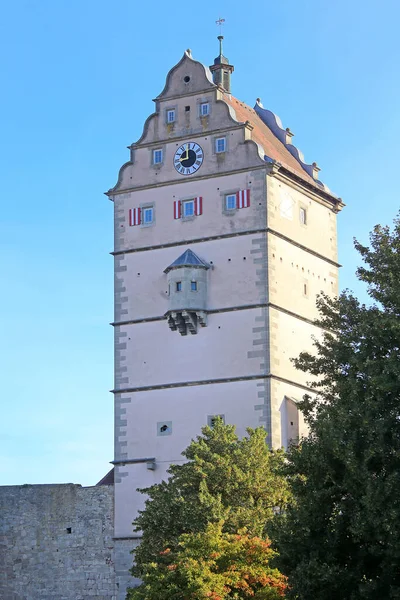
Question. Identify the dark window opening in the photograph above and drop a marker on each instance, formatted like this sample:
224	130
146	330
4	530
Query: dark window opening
164	428
186	79
69	529
212	419
179	286
193	286
187	108
226	79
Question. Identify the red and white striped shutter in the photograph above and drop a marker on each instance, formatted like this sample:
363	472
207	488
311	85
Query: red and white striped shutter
137	214
198	206
177	209
238	200
243	199
134	216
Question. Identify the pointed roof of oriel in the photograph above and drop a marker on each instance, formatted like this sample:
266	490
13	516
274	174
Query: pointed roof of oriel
188	259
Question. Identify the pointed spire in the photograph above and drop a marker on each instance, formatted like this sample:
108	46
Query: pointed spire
221	69
220	37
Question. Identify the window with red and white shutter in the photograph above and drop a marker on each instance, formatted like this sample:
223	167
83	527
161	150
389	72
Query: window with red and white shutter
197	204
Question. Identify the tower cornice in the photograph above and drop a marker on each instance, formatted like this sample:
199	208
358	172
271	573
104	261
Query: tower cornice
182	138
274	169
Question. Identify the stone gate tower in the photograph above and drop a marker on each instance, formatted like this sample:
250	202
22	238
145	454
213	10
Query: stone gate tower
223	238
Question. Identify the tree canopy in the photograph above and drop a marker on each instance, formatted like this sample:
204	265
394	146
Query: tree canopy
229	483
340	535
212	565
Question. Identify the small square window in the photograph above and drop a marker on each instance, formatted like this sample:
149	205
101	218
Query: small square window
170	116
148	215
193	286
230	202
220	145
303	216
164	428
157	156
204	109
179	286
187	108
188	208
211	419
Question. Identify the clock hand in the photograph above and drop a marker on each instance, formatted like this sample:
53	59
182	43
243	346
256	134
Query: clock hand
187	154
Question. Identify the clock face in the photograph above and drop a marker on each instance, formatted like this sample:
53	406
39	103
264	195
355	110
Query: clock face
188	158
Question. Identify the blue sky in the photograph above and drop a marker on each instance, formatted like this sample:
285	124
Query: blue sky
78	78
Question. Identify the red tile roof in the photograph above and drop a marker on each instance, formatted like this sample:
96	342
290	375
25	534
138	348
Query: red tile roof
261	134
108	479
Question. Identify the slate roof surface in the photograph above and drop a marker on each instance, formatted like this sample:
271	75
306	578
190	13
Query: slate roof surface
262	134
188	259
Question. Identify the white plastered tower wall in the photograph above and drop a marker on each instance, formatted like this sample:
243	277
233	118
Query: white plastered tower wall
264	269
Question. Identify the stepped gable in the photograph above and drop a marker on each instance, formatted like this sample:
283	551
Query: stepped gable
272	146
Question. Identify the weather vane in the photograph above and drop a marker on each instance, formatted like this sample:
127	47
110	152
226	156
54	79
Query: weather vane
220	22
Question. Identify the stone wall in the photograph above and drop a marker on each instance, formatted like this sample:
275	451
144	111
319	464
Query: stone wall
56	542
123	562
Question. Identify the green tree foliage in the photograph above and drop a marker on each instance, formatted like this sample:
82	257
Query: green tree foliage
340	536
225	479
213	565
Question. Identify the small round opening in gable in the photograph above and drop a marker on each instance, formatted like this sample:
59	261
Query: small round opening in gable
186	79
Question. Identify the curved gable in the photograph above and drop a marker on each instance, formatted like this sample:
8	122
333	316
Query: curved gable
177	84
